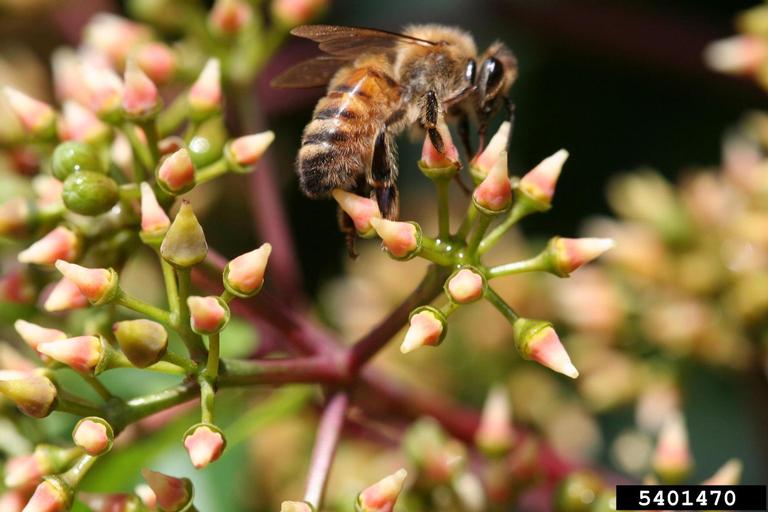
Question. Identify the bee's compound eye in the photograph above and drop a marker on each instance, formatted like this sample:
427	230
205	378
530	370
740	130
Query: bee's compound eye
493	72
471	71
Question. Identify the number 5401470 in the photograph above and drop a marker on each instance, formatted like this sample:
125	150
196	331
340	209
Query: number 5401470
673	498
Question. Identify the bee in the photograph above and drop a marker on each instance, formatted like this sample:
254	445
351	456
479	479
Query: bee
379	84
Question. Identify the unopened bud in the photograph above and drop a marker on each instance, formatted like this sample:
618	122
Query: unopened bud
94	435
64	296
51	495
81	124
154	220
494	194
184	244
59	244
65	65
439	458
401	239
382	496
11	359
176	174
26	471
34	394
49	192
143	342
229	16
672	459
568	254
433	163
37	117
204	444
495	435
157	60
296	506
360	209
481	165
728	474
291	13
13	500
173	494
73	156
140	97
90	193
427	327
538	185
114	36
99	285
736	55
247	150
105	91
244	275
537	340
208	315
81	353
33	334
15	217
465	286
204	96
118	502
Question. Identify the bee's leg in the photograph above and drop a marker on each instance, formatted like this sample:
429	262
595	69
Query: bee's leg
463	127
429	118
383	174
347	227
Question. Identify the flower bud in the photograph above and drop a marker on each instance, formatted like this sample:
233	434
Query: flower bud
382	496
207	144
401	239
568	254
438	457
114	36
427	327
176	174
577	492
495	435
120	502
147	495
73	156
34	394
672	459
435	164
739	55
65	296
208	315
465	286
66	70
13	500
244	275
59	244
140	97
81	353
81	124
291	13
538	185
728	474
105	91
51	495
49	192
154	220
143	342
482	164
157	60
204	444
228	17
247	150
33	334
296	506
26	471
360	209
94	435
99	285
11	359
494	194
184	244
16	287
90	193
204	96
37	118
15	217
537	340
173	494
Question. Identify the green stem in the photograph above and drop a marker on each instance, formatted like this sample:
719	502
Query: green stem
207	399
193	342
443	211
78	470
477	235
188	365
429	250
212	171
148	310
517	212
143	406
171	289
500	305
227	296
129	191
537	263
118	360
149	126
212	369
77	408
141	153
469	220
96	384
172	116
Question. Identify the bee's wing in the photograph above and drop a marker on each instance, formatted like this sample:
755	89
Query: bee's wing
309	73
349	42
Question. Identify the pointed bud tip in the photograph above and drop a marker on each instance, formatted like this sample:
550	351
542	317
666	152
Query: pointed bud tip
400	238
495	191
360	209
383	494
172	493
539	183
82	353
98	285
65	296
60	243
425	329
208	315
176	172
244	275
205	94
140	96
248	149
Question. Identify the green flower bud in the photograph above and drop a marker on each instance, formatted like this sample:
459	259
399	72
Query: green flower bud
73	156
34	394
577	492
90	193
143	342
184	244
207	145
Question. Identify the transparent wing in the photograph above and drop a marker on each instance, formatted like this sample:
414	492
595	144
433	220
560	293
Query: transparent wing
309	73
349	42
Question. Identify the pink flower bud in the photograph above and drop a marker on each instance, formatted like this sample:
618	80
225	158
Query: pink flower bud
34	394
248	150
37	117
13	500
59	244
140	97
146	495
64	296
204	443
495	192
539	183
25	471
81	124
382	496
360	209
465	286
495	435
401	239
120	502
114	36
538	341
426	328
205	94
49	496
743	54
173	494
297	12
94	435
67	75
176	173
14	217
482	164
82	353
229	16
15	287
728	474
157	60
33	334
672	459
154	220
296	506
571	253
49	191
244	275
431	158
11	359
99	285
105	90
208	315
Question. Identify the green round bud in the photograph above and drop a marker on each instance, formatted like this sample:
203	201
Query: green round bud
73	156
207	145
90	193
143	342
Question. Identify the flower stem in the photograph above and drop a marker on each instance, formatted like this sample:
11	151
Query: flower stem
213	356
518	267
78	470
140	151
147	405
96	384
173	358
430	251
148	310
149	126
171	117
327	440
207	399
477	235
212	171
73	406
500	305
181	321
443	211
313	369
171	288
469	220
517	212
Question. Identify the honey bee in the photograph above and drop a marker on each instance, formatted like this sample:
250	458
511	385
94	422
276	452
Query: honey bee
379	84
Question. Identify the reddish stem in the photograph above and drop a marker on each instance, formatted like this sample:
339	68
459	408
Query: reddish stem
312	370
327	440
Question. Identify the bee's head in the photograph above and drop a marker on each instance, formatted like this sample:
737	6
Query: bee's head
492	75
